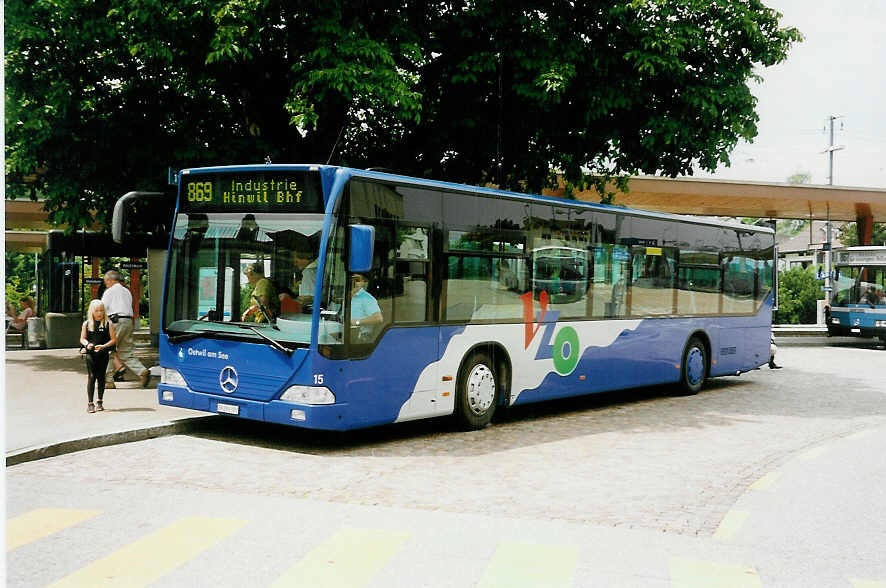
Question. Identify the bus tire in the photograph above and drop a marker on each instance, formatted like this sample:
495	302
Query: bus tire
694	367
477	392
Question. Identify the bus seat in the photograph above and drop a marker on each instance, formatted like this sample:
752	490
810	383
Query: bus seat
289	305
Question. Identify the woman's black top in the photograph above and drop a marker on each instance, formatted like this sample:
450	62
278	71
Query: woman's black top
100	336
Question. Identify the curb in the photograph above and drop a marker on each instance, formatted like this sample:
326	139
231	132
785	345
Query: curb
800	330
176	427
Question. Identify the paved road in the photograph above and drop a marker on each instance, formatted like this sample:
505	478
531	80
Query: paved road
773	478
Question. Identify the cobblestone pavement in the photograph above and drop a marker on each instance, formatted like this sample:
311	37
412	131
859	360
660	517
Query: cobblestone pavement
635	459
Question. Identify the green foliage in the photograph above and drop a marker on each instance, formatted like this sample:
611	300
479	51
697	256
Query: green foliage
797	292
15	291
104	95
245	298
849	238
800	178
20	276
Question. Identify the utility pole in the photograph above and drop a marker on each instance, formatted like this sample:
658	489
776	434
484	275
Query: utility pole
828	282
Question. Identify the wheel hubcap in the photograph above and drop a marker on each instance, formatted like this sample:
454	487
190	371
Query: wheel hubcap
695	366
481	389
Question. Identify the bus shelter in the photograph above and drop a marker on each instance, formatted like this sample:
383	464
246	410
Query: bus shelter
69	275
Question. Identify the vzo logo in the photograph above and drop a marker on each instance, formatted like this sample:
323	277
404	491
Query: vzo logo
565	349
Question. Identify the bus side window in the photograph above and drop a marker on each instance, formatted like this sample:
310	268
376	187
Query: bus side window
485	288
378	286
652	281
739	279
609	278
411	275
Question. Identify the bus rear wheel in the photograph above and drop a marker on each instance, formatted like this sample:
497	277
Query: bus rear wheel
476	392
694	369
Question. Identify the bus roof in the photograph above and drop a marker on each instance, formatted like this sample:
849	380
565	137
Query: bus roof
468	189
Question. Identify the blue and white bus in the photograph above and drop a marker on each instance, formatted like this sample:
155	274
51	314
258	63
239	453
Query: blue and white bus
387	298
858	308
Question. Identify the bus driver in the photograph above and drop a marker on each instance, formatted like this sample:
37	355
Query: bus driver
365	312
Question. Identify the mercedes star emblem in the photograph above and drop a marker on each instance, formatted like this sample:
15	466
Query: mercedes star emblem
228	379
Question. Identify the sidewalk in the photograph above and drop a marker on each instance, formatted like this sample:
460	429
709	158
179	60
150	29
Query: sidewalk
46	407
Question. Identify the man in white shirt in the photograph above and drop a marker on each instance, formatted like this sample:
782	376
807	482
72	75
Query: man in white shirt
118	302
306	261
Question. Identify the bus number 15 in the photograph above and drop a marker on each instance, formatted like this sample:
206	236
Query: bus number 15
200	192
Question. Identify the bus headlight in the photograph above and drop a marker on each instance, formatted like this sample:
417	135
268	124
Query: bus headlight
172	377
308	395
835	321
880	323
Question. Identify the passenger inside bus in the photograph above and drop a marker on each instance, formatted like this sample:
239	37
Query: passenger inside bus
873	296
305	260
263	300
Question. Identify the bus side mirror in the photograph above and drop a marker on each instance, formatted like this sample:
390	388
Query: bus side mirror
123	209
362	248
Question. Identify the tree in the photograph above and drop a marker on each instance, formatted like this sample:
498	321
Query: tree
799	178
21	278
103	95
849	238
797	292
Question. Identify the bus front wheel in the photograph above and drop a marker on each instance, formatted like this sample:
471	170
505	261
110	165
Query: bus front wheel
694	370
476	392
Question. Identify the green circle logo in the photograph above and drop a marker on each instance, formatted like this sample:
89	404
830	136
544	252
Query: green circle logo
566	351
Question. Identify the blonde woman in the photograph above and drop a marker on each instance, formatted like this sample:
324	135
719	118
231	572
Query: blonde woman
98	337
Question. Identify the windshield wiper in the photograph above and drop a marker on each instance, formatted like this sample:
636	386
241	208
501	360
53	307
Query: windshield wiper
266	312
273	343
193	335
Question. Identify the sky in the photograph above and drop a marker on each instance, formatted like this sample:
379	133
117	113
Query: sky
840	70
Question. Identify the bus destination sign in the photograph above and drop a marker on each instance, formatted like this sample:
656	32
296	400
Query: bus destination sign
873	256
292	191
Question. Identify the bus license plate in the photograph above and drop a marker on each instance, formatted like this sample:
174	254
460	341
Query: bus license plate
227	408
856	330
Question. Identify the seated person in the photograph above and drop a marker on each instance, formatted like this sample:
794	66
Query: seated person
365	312
873	296
306	262
263	292
20	322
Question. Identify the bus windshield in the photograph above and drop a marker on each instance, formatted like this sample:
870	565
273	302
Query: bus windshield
230	269
860	285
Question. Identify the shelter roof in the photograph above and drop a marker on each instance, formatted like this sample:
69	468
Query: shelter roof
711	197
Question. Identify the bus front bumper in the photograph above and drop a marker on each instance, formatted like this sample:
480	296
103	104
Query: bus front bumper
330	417
858	331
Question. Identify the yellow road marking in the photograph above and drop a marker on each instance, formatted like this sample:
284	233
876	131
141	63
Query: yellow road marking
351	557
766	482
153	556
42	522
731	524
690	573
525	564
856	583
